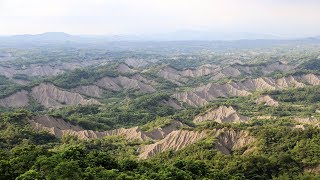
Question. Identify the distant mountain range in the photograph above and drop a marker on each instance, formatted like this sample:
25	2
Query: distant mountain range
173	36
48	36
167	40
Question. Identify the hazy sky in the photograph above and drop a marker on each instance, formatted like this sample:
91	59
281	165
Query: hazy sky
286	17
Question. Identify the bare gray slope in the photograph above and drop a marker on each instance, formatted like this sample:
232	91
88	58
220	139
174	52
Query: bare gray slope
51	96
122	82
267	100
202	95
60	127
222	114
229	140
16	100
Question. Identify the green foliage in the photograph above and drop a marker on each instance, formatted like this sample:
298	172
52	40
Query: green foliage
311	65
129	113
158	123
85	76
300	95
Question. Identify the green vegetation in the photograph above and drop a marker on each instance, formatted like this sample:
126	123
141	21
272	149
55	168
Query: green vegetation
87	76
311	65
128	113
305	95
279	152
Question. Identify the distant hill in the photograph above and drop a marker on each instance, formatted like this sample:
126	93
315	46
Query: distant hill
179	39
48	36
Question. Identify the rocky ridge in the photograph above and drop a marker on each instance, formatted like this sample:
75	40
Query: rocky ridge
51	96
121	82
202	95
60	127
169	136
217	72
176	140
222	114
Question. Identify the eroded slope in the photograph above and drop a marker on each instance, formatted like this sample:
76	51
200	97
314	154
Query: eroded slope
222	114
202	95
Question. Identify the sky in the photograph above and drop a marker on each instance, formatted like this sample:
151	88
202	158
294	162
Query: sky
111	17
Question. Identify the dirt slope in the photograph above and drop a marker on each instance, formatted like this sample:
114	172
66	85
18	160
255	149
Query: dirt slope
176	140
50	96
91	90
16	100
267	100
136	62
222	114
60	127
121	82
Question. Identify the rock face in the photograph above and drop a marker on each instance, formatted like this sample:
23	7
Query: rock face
60	127
50	96
91	90
202	95
267	100
229	140
16	100
222	114
121	82
176	140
